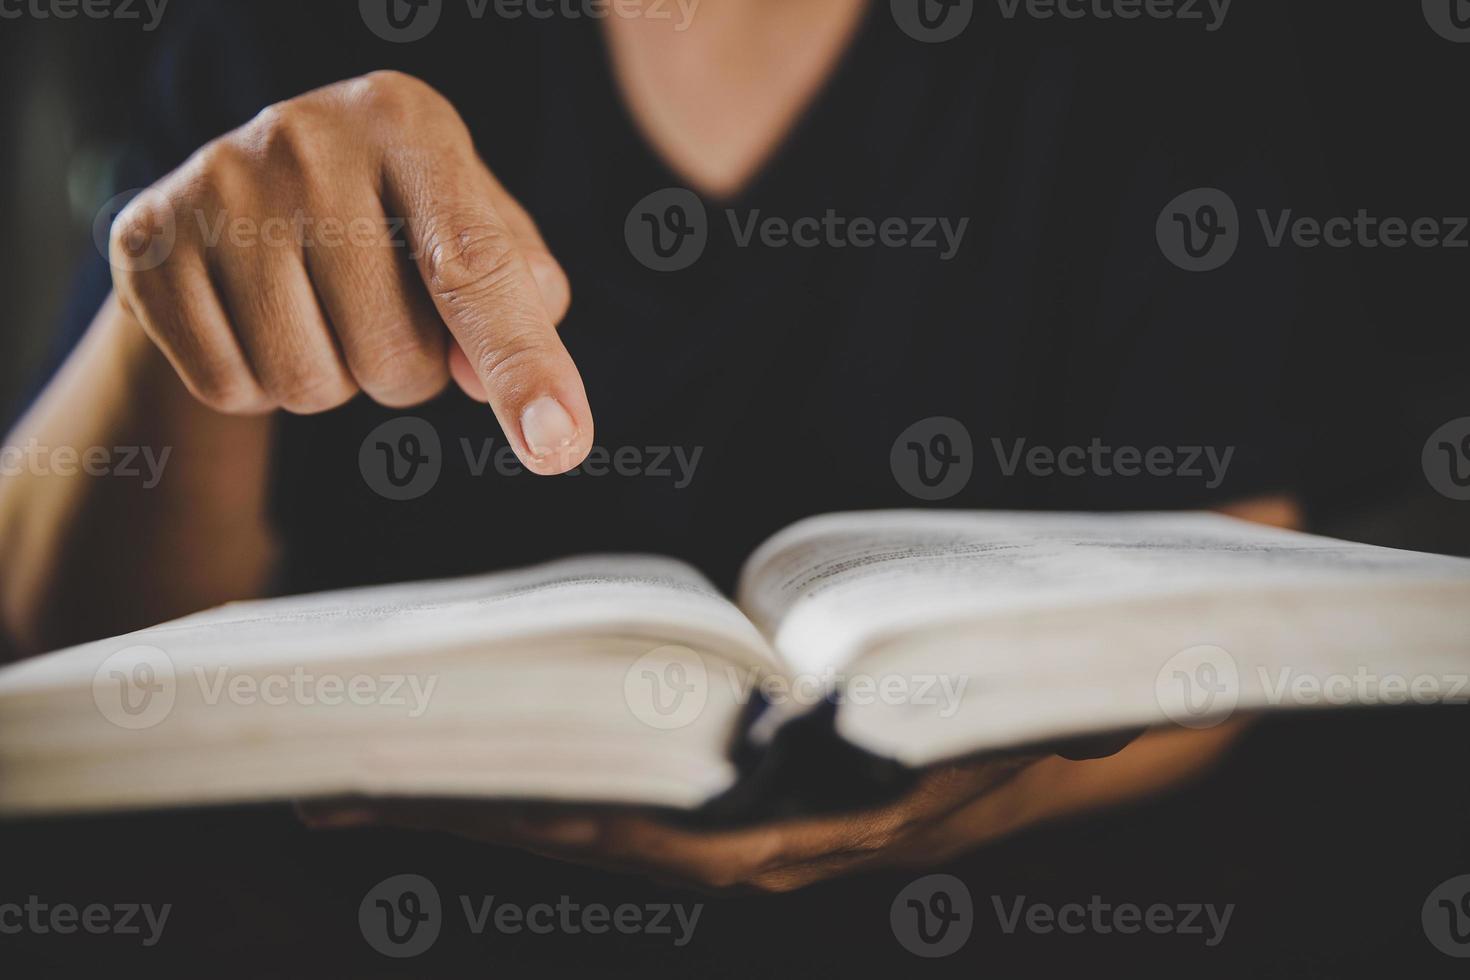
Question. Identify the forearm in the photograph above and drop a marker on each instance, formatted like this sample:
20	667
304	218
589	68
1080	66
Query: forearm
123	501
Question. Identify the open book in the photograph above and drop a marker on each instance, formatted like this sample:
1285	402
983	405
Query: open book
860	649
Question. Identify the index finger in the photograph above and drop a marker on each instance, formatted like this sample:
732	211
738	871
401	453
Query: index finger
477	274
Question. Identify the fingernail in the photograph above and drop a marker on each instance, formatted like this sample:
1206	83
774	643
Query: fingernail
547	428
571	830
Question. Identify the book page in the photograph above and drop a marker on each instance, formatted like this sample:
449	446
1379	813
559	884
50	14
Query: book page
829	587
599	679
611	594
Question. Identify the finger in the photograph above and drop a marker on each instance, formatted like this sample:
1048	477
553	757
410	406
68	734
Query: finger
281	328
465	819
566	838
328	815
551	280
464	375
555	288
179	310
791	877
1054	788
392	341
483	287
719	858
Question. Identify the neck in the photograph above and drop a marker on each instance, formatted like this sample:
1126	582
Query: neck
716	92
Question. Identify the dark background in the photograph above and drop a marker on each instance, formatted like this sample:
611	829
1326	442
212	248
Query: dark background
1384	110
1328	832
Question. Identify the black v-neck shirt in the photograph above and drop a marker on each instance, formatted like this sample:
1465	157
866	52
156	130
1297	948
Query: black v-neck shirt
785	375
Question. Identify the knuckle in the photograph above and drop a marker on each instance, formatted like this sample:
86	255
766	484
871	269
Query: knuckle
285	136
226	392
468	256
222	164
394	96
136	225
308	392
399	373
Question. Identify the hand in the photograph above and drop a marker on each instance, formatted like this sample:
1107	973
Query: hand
953	809
283	288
